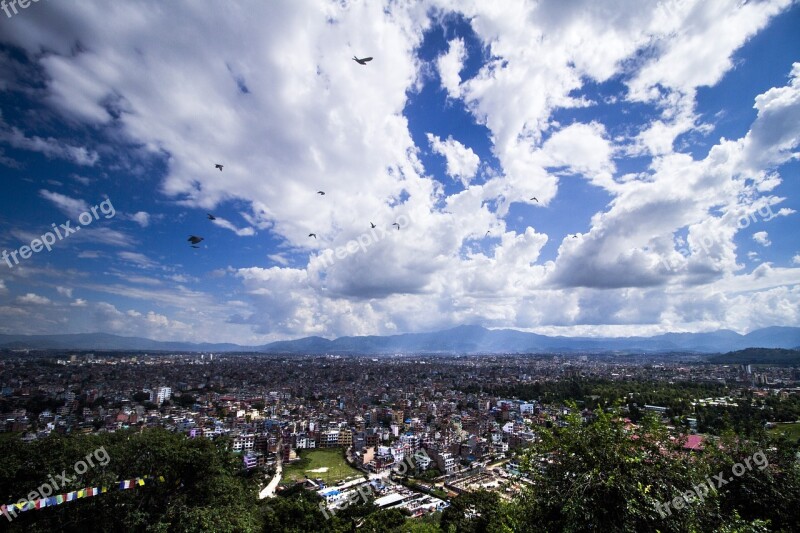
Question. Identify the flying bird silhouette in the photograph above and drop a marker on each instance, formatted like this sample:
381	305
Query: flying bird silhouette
535	199
487	233
321	193
211	217
218	166
371	225
398	226
312	235
575	236
194	239
362	61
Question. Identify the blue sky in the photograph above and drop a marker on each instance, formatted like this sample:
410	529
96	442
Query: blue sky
660	142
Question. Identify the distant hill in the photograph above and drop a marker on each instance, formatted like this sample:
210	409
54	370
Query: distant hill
105	341
462	339
771	356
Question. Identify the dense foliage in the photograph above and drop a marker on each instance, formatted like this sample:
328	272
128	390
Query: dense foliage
764	356
202	488
606	475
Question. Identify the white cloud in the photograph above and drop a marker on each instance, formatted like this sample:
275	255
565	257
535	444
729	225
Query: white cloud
64	291
583	149
137	259
32	299
762	238
241	232
449	66
142	218
50	147
72	207
796	259
775	133
462	162
132	322
279	258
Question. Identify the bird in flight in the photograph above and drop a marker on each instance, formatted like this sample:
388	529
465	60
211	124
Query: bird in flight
194	239
312	235
487	233
218	166
535	199
211	217
396	224
575	236
362	61
371	225
321	193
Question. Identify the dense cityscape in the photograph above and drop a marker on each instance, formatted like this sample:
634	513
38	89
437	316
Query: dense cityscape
450	424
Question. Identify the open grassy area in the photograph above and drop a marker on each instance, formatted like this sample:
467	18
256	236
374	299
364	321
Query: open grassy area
330	459
792	430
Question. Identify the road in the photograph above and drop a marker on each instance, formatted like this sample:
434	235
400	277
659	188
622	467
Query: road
269	490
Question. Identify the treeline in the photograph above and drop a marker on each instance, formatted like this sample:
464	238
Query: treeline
765	356
749	416
593	393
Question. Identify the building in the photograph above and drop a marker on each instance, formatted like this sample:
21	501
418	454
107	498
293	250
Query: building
160	395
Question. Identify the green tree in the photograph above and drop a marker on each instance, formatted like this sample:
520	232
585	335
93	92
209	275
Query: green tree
603	476
475	512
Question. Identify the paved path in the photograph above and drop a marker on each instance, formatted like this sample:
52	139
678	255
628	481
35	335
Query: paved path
269	490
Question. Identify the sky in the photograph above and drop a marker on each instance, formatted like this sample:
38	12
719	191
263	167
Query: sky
563	167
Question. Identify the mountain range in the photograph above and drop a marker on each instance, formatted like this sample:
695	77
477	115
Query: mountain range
462	340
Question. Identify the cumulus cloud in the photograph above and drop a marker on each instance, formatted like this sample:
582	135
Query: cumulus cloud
762	238
462	162
775	134
450	65
288	113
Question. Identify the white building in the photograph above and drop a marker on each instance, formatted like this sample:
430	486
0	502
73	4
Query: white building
160	395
